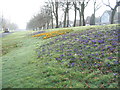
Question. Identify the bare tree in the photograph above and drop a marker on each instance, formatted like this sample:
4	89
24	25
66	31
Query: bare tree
75	6
6	24
51	17
81	8
51	6
56	11
96	7
63	7
67	11
55	7
47	14
65	18
38	21
113	9
66	8
92	18
11	26
42	19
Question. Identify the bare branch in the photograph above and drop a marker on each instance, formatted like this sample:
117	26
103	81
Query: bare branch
87	3
98	6
107	4
53	9
94	0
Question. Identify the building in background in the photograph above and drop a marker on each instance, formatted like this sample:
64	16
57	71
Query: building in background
106	17
87	21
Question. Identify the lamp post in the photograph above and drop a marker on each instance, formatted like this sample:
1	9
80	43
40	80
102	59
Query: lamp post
4	25
94	12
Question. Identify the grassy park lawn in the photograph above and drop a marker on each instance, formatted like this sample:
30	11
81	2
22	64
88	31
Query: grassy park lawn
87	57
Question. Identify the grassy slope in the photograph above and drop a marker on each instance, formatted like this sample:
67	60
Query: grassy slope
21	68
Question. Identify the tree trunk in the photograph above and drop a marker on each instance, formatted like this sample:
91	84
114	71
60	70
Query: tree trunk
94	15
67	14
75	14
68	19
113	11
64	18
47	25
79	17
82	13
52	21
56	10
79	9
83	20
113	14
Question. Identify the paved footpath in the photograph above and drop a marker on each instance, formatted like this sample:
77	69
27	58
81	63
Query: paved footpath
4	34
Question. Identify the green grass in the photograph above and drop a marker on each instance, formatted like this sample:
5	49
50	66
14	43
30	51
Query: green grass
21	67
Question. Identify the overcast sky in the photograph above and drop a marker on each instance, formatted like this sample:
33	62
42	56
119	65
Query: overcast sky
20	11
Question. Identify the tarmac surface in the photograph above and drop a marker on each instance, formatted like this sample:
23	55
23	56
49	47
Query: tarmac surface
4	34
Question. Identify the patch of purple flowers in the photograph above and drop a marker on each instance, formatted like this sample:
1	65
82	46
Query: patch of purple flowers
85	49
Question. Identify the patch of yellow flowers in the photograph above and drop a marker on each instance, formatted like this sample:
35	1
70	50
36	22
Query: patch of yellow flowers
53	33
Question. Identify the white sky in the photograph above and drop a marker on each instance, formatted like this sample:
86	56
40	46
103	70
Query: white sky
20	11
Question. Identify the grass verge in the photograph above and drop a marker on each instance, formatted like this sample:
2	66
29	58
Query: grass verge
30	62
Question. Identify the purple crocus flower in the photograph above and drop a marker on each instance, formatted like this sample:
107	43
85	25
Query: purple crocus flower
58	58
98	58
116	62
97	54
80	58
108	65
109	39
109	46
93	41
72	64
112	49
57	50
100	41
94	45
114	44
92	54
109	57
103	49
114	74
61	55
69	54
80	50
95	64
98	64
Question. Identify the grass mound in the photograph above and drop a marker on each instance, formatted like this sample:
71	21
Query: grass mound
87	57
93	53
